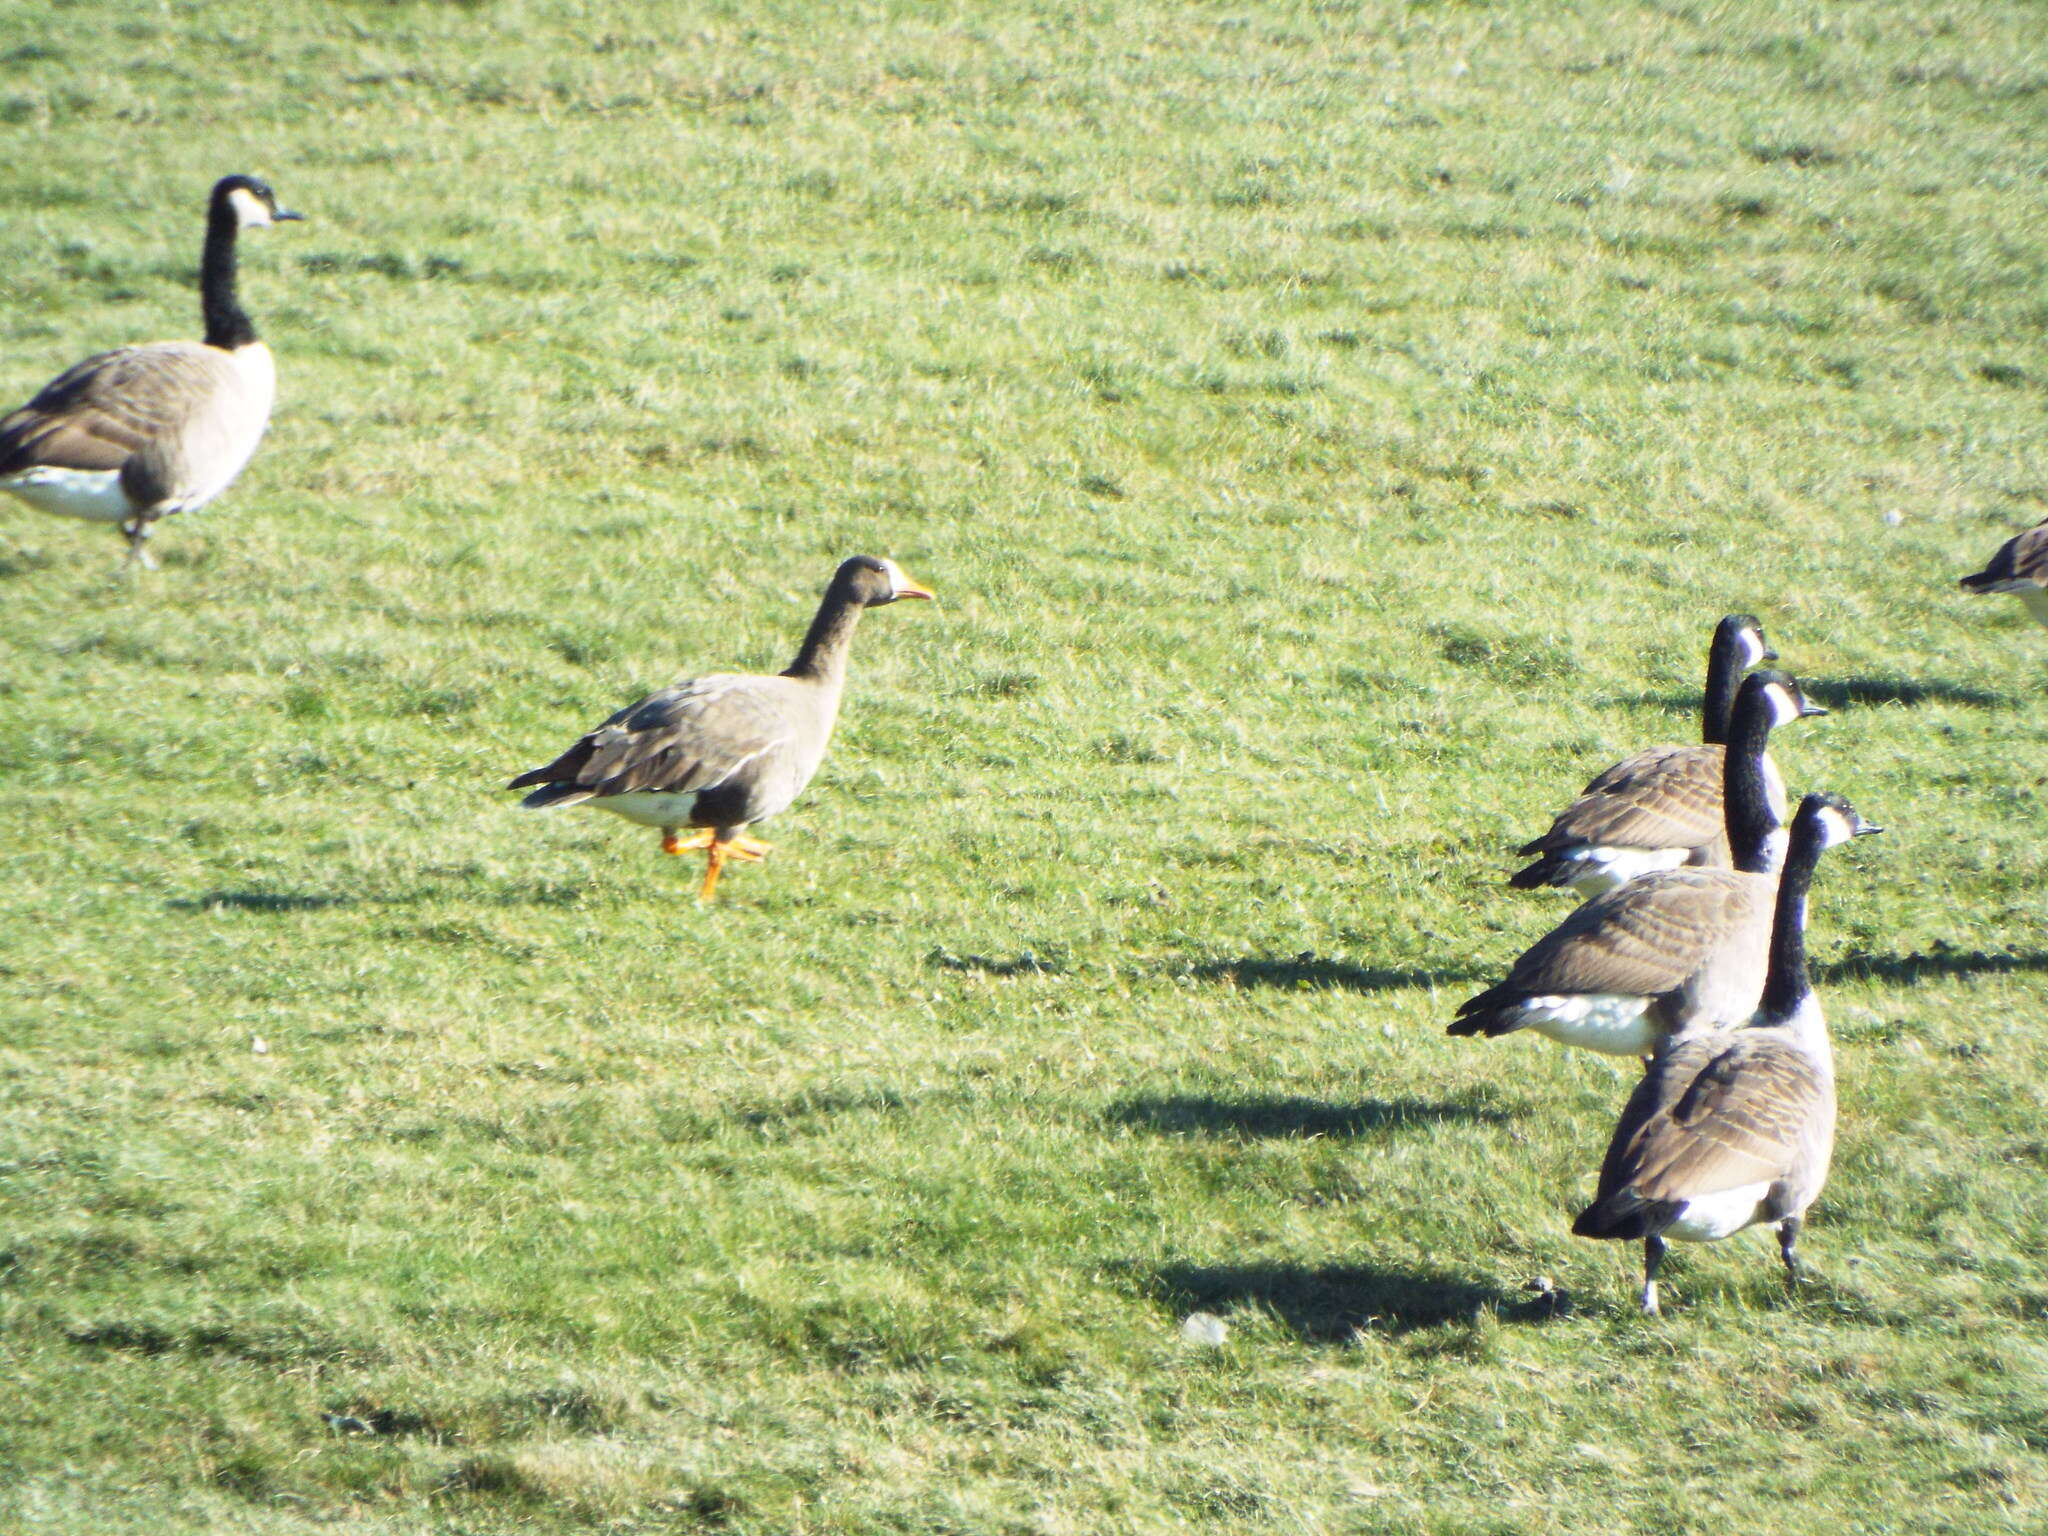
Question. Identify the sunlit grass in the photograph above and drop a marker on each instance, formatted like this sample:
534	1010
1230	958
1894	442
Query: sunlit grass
1333	432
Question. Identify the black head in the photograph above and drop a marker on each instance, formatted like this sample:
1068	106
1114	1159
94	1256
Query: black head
250	201
1745	633
872	581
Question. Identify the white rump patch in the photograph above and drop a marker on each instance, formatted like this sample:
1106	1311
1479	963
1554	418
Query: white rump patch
92	494
1599	868
1611	1023
1709	1218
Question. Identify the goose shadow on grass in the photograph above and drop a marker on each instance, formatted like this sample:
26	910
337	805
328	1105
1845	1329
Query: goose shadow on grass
1861	692
545	895
1942	961
1310	972
1328	1303
1281	1118
259	901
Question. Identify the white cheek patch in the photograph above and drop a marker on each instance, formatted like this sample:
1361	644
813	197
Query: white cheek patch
1835	827
249	210
1752	648
1784	707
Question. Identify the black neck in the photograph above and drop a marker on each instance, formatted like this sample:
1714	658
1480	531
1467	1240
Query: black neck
1745	803
227	324
1724	676
823	653
1786	984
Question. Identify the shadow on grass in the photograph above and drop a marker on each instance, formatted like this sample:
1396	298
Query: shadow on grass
1911	968
1282	1119
22	562
1839	692
1843	692
557	894
1025	964
258	901
1328	1303
1312	973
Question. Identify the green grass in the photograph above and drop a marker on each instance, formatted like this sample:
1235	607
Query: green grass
1333	431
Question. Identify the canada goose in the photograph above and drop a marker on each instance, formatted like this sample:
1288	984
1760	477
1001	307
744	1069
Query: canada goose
1660	808
1672	950
2021	568
141	433
718	753
1731	1127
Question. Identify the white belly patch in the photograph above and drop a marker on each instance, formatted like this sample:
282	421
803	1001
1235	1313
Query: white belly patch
1598	868
649	808
1612	1023
92	494
1709	1218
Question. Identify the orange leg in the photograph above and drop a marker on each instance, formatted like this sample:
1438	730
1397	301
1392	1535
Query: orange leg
716	851
714	861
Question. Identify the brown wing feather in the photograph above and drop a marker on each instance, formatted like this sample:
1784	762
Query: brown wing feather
681	740
104	411
1642	939
1663	797
2021	562
1715	1113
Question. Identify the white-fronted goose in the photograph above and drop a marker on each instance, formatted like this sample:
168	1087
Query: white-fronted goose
141	433
2021	568
1732	1127
719	753
1661	808
1669	951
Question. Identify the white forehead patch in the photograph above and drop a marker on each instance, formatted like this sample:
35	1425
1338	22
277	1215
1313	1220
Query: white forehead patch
897	580
249	210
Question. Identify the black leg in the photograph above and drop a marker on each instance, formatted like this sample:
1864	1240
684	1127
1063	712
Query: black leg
1788	1241
138	531
1653	1255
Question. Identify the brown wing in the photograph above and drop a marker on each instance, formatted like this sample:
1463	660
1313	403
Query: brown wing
1642	939
1664	797
682	740
107	410
2020	564
1718	1112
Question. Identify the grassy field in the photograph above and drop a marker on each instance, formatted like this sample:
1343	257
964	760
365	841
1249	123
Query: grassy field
1332	431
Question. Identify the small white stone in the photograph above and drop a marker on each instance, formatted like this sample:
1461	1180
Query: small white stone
1204	1328
1894	518
259	1045
1460	70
